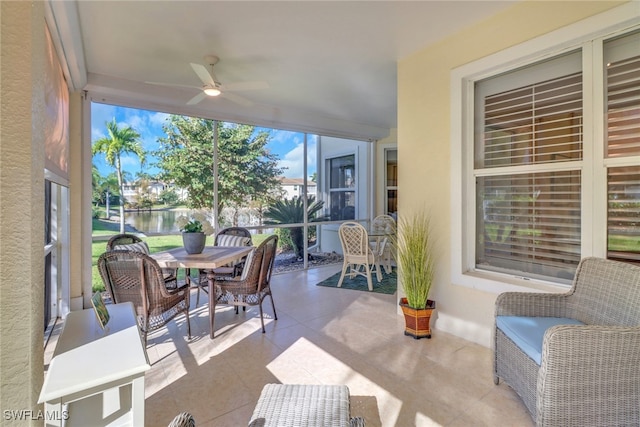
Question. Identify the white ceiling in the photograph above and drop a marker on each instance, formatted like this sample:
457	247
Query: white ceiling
330	65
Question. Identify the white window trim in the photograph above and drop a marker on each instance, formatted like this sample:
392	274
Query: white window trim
327	193
58	248
569	38
386	188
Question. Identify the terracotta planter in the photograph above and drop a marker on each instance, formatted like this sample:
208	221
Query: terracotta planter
417	321
194	242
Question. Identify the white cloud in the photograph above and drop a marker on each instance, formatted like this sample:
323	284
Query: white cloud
293	161
131	164
158	119
285	137
100	115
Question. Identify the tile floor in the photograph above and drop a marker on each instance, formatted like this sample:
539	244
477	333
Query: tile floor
323	336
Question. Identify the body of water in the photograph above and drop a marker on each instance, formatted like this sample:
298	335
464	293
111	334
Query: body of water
154	222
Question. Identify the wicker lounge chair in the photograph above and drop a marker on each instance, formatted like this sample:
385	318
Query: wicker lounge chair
574	358
183	419
136	277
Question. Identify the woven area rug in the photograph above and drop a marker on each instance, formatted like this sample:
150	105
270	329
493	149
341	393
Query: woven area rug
388	285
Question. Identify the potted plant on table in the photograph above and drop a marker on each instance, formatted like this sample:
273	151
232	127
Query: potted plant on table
195	229
415	259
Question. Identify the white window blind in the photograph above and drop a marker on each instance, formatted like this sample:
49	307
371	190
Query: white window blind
623	107
528	190
529	224
622	70
539	123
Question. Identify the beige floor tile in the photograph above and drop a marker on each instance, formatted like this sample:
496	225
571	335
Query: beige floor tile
322	336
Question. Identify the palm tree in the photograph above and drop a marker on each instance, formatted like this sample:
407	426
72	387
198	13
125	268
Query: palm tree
125	140
291	211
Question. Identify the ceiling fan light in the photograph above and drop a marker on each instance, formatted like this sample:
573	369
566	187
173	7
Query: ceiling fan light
212	91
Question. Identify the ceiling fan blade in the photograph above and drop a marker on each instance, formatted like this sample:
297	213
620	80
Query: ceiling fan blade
203	74
237	99
196	99
240	86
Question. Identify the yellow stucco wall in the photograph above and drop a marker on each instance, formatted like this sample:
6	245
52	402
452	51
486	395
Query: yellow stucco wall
22	47
424	139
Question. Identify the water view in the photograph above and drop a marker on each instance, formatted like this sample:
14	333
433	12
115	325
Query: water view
154	222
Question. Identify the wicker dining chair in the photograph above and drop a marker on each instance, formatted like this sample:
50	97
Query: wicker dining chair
357	253
126	239
385	224
136	277
131	242
253	285
231	236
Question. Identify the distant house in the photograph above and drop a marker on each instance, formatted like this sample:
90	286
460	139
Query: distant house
132	190
153	189
293	187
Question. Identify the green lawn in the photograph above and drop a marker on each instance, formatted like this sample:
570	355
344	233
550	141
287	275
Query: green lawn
156	244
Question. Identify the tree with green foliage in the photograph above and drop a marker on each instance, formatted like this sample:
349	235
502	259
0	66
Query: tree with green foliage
119	141
168	196
103	189
96	178
247	171
291	211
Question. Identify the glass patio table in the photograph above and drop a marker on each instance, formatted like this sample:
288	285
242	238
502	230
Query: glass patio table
210	258
378	236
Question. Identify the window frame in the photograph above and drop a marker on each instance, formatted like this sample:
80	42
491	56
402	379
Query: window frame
580	35
333	190
56	245
389	188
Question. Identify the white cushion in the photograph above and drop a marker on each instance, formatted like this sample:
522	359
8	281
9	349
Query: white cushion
136	247
231	240
247	264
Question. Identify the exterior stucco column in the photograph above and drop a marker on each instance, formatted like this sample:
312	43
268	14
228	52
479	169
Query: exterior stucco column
22	45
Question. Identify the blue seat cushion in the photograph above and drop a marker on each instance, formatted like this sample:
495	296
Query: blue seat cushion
528	332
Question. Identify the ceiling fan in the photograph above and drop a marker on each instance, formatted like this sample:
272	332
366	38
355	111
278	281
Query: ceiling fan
213	88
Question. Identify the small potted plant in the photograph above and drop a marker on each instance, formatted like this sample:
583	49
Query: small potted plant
415	258
195	229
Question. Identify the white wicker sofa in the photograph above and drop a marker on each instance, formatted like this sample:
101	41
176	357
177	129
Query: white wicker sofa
574	358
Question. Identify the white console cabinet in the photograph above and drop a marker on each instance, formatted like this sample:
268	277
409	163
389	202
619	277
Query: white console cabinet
96	376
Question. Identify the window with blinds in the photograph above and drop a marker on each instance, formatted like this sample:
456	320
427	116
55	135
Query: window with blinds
342	187
622	71
528	187
539	123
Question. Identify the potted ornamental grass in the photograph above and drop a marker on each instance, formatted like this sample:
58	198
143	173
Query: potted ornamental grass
415	258
195	228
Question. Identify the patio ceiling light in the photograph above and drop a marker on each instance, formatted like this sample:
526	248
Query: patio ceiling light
212	91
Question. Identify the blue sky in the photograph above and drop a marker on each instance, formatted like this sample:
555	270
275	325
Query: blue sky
288	146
